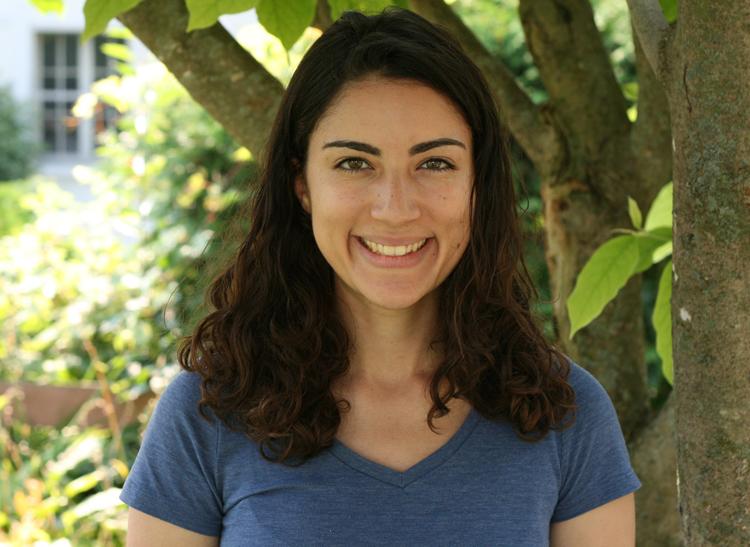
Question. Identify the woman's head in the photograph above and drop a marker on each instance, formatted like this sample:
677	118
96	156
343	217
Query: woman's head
387	183
397	47
274	344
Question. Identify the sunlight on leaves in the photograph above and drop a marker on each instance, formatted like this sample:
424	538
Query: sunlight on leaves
204	14
286	20
99	13
660	214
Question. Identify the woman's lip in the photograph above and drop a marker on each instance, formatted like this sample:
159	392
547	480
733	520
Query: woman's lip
385	261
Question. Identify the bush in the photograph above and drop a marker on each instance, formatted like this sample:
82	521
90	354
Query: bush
17	151
94	291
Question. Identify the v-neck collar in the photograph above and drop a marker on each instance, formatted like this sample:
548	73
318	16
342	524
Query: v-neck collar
416	471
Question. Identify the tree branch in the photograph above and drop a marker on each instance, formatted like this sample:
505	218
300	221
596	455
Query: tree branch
651	134
529	123
217	72
568	51
322	18
653	30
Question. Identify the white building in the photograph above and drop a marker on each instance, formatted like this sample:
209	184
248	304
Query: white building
46	67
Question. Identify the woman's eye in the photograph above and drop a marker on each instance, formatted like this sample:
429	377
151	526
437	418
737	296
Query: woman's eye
446	166
351	161
355	164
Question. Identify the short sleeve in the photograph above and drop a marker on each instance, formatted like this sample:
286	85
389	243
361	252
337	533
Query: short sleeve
595	464
173	476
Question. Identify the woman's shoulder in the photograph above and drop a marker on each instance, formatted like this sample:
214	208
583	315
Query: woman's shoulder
590	393
594	408
177	407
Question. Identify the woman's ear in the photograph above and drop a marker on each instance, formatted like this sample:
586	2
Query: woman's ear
300	188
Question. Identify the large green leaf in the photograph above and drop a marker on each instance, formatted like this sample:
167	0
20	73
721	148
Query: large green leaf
606	272
99	13
205	13
366	6
662	321
286	19
669	7
660	213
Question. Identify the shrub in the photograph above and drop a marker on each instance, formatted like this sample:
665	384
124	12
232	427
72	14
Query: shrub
17	151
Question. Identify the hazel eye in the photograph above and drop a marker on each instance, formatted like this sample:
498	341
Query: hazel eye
446	166
354	161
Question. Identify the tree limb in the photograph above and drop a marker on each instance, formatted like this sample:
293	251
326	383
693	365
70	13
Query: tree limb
529	123
651	133
217	72
322	18
653	31
583	92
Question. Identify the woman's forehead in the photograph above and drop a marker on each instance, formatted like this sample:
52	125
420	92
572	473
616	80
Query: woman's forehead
394	111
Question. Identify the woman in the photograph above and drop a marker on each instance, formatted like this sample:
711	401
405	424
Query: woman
372	360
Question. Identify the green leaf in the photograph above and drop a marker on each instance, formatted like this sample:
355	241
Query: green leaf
669	7
365	6
605	273
205	13
100	12
84	483
662	321
662	252
660	213
635	213
286	20
47	6
117	51
648	244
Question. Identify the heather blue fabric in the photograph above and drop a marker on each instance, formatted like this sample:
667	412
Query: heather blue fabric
484	487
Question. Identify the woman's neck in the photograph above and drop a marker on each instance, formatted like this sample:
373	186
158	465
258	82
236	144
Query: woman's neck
390	347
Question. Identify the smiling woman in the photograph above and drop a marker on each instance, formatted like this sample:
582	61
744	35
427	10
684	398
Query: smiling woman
371	372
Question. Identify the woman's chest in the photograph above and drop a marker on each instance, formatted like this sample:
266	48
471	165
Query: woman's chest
398	436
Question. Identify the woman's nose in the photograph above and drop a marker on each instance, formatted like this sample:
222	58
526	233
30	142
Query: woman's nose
395	200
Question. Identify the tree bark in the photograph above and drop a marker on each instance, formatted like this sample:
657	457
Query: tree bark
217	72
585	196
704	63
710	100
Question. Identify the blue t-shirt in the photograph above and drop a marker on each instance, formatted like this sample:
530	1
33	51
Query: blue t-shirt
485	486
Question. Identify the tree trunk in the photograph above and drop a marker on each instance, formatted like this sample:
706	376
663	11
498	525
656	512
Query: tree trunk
704	64
710	98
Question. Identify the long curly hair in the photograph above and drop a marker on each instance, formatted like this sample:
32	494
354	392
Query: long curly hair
273	343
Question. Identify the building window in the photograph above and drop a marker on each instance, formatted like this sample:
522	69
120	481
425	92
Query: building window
68	68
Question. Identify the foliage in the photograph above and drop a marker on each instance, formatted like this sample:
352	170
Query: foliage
17	151
62	483
12	215
95	291
612	264
285	19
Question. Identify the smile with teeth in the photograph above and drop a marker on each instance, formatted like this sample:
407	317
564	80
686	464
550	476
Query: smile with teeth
387	250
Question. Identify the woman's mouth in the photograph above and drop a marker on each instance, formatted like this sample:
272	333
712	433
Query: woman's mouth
389	250
395	256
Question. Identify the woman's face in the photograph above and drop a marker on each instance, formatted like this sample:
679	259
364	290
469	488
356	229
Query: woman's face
388	186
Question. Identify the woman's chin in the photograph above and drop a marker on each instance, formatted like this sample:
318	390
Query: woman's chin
393	299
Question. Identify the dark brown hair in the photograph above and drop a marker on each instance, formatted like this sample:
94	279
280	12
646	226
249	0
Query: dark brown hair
273	344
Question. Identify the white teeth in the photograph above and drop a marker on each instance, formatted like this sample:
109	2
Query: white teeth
387	250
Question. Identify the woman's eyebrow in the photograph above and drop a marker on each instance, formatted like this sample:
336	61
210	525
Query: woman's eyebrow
416	149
